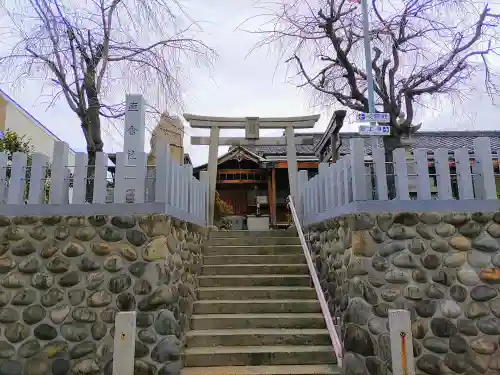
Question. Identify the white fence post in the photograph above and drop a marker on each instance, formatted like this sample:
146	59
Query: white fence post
339	182
188	170
120	190
17	178
204	184
323	187
401	174
464	176
139	182
422	171
100	177
80	178
4	159
347	179
401	342
484	168
379	168
37	178
358	170
163	174
58	172
443	177
124	343
301	202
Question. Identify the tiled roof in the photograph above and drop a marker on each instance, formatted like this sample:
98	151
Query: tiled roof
427	140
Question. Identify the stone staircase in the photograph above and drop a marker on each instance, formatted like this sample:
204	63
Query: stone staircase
257	312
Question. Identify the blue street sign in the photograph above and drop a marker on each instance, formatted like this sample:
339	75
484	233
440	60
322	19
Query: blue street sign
374	130
373	117
1	134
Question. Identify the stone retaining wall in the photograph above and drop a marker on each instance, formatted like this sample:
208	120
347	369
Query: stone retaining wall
65	278
444	269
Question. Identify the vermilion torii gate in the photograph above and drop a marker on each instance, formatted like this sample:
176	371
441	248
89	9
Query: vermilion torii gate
252	125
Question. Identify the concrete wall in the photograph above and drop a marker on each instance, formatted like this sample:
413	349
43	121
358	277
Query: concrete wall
64	279
443	268
15	118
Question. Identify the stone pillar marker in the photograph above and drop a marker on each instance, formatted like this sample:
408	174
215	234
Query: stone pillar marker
134	134
252	125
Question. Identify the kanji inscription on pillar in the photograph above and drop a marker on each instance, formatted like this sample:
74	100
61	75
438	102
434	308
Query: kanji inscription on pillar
134	133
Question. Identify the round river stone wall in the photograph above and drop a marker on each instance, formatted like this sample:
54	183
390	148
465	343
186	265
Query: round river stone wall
63	279
443	268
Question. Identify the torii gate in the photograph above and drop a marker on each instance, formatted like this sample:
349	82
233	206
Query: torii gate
252	125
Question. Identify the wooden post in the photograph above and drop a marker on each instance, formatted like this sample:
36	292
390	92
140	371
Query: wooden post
212	172
401	342
124	343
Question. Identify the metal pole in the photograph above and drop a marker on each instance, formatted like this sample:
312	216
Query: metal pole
368	63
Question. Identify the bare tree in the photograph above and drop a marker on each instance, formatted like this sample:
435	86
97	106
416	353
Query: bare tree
93	52
421	49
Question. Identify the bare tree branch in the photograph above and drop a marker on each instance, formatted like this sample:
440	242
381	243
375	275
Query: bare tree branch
96	52
421	48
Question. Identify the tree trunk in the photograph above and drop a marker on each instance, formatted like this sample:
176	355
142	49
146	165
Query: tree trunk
91	124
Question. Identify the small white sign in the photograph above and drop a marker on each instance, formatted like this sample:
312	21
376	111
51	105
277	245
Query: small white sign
373	117
375	130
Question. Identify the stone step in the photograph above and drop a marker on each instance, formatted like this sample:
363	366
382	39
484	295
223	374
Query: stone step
253	250
263	355
254	259
264	370
266	306
254	240
257	292
246	233
256	337
247	321
255	269
253	280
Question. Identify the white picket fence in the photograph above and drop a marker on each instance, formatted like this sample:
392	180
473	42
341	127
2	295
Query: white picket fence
167	183
355	179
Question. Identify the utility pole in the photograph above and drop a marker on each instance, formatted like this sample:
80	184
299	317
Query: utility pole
368	63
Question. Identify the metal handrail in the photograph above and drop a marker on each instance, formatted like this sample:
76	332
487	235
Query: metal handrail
337	345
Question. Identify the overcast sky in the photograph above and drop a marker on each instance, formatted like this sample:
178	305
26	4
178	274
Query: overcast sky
240	85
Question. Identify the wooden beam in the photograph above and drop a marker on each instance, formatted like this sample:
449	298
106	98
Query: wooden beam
301	164
241	181
264	141
241	171
301	122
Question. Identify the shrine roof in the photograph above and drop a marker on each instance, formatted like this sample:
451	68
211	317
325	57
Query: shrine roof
430	140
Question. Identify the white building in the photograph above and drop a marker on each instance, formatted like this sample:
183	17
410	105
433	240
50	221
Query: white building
16	118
